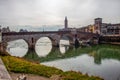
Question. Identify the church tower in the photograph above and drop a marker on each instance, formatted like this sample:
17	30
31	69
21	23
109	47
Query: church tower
66	23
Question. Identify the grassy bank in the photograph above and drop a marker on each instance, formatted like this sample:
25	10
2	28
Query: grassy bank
19	65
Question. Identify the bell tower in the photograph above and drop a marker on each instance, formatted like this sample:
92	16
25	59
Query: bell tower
66	22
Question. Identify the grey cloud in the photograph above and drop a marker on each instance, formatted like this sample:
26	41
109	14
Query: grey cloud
40	12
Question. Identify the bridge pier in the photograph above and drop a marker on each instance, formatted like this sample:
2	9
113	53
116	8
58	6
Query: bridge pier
3	46
31	43
76	42
55	45
31	47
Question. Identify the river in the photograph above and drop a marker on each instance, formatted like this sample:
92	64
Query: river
106	66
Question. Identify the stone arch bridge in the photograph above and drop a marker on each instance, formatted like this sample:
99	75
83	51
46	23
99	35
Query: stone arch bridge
55	36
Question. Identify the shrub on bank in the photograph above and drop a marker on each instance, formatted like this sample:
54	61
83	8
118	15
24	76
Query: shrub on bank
19	65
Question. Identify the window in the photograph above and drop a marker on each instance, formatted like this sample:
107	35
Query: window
117	30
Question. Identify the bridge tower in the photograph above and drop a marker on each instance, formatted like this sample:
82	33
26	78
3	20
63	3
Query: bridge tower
98	24
66	22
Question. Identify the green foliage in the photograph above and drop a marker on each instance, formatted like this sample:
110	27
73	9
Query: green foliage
20	65
107	51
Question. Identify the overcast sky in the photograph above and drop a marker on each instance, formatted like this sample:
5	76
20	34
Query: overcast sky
52	12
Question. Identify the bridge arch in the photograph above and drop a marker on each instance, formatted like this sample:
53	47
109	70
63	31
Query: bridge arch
54	41
43	46
18	47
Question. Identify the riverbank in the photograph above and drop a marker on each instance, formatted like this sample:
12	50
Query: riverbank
19	65
37	70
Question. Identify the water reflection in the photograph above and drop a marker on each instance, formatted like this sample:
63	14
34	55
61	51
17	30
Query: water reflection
43	46
102	61
105	53
72	52
109	69
53	55
64	45
17	48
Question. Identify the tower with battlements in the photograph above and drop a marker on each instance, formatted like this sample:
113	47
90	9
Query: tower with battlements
98	24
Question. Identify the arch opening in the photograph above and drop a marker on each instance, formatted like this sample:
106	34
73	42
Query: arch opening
43	46
17	48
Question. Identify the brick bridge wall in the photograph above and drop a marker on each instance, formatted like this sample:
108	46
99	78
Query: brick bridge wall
32	37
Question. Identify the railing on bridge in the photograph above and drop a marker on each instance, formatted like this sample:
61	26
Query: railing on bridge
28	33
